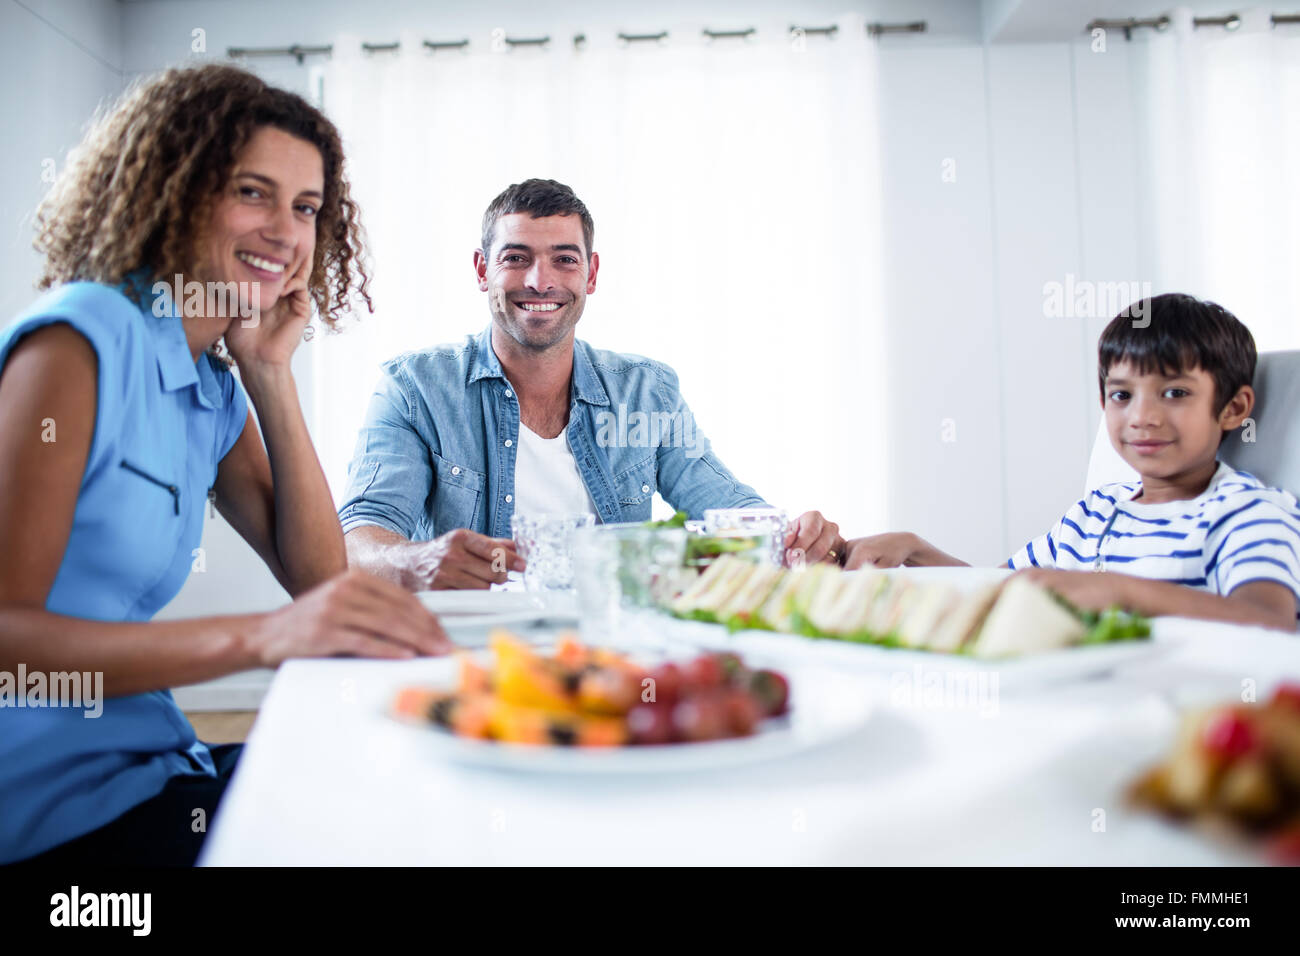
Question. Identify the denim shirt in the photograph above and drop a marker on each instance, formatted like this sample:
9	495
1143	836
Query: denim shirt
437	450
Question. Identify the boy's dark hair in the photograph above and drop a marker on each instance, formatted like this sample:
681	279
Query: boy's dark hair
1180	333
538	198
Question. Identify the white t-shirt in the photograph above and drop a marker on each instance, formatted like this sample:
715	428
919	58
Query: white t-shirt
1236	531
546	477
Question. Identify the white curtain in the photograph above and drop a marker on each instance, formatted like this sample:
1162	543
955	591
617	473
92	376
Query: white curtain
1219	112
734	186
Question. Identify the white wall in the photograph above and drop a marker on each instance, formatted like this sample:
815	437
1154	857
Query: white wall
944	370
1040	136
59	59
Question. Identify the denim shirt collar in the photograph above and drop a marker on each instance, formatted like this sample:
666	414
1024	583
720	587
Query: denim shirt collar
586	386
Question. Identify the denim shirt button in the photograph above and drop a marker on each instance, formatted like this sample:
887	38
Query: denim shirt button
509	443
645	489
509	498
509	393
455	469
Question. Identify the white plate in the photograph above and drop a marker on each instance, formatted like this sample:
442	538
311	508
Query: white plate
824	707
1029	672
496	608
963	579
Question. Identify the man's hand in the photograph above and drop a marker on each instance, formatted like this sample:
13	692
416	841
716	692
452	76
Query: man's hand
1086	590
463	559
892	550
811	538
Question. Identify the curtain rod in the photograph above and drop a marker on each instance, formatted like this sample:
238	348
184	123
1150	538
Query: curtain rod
237	52
1229	22
579	40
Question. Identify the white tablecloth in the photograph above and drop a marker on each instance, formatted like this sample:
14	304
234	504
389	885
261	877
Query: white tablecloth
327	779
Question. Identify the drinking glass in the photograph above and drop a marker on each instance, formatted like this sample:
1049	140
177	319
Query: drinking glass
544	541
622	573
764	528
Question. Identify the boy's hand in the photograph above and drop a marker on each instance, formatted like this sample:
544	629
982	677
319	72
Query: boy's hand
1086	590
881	550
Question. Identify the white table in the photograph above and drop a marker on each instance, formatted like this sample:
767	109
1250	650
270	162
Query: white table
327	779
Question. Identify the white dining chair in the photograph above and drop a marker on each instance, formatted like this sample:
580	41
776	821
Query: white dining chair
1274	455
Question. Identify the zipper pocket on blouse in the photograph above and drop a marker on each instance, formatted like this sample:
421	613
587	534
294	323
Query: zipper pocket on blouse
172	489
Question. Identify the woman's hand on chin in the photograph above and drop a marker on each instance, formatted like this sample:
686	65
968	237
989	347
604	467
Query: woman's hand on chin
271	336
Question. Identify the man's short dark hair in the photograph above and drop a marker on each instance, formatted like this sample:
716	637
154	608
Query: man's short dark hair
1175	333
538	198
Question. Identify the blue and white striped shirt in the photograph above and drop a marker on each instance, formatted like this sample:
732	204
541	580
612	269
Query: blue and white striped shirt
1237	531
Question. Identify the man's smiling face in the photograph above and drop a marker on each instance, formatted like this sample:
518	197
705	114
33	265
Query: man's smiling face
537	276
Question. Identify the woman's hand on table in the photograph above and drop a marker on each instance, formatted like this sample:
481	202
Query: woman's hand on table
891	550
897	549
353	614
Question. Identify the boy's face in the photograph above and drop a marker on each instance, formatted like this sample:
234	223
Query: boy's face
1165	426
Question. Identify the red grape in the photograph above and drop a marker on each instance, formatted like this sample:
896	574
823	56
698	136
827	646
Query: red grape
704	672
743	712
650	723
772	692
701	716
668	680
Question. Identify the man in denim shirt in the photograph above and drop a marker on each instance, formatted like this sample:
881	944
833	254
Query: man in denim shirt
524	416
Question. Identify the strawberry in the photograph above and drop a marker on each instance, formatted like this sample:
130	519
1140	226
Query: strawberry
1284	847
1287	695
1229	735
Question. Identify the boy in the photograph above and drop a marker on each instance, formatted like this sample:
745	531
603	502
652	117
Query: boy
1193	537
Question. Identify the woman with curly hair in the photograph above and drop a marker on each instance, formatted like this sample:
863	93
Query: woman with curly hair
119	421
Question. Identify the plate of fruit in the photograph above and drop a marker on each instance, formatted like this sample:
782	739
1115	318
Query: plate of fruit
574	708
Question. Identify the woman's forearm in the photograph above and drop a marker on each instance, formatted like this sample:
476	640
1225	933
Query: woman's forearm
926	555
133	657
308	538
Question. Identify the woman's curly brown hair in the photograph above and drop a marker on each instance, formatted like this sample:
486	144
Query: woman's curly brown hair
143	182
